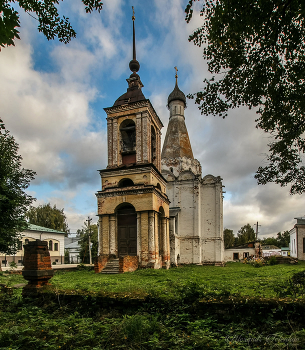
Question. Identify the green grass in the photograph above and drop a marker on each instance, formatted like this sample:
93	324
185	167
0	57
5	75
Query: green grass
173	319
235	278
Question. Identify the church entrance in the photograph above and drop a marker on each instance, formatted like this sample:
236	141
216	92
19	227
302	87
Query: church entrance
127	231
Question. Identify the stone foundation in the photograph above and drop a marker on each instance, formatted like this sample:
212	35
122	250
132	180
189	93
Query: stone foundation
129	263
101	262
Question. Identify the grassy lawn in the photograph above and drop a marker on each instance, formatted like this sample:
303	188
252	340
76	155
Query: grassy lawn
235	278
169	320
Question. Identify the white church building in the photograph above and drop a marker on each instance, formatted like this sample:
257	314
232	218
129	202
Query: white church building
196	203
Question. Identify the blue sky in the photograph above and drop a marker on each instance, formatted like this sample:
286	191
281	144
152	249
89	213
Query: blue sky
52	97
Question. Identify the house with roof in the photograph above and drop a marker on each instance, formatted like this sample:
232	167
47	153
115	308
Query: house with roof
54	238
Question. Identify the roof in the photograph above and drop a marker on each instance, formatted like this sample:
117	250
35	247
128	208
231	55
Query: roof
44	229
176	94
270	246
285	248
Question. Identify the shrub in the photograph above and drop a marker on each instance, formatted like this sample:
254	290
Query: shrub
273	260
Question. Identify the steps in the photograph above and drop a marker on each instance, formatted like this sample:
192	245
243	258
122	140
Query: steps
112	267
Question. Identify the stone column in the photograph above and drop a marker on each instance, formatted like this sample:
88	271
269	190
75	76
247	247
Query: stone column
112	247
139	145
158	144
115	142
110	141
99	236
157	243
105	234
165	239
146	141
139	246
151	239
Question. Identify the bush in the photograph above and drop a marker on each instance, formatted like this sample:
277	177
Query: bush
295	286
273	261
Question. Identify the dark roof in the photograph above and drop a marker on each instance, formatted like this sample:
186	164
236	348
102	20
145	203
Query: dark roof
176	94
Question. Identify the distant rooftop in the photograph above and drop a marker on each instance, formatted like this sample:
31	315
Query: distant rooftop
301	220
44	229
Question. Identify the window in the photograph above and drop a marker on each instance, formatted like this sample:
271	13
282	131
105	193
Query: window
125	183
26	241
235	256
56	260
4	262
19	245
246	254
56	247
50	245
20	262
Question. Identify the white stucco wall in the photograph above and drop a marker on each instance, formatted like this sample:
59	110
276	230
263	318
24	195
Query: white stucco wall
293	243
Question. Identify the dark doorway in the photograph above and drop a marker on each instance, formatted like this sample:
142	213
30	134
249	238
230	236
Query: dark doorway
127	230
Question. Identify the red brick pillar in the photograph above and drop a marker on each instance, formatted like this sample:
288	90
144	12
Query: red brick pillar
37	266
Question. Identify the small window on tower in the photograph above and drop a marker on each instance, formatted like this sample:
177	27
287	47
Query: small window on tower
153	145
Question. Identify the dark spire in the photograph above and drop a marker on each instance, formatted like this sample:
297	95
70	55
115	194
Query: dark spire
134	92
134	65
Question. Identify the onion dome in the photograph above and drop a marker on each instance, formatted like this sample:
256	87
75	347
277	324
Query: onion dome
176	94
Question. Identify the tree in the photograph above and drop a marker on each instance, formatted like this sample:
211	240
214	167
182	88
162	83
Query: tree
46	13
14	202
245	234
47	216
84	242
281	240
228	237
256	54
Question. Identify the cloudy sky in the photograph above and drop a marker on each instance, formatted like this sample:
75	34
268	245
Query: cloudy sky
52	97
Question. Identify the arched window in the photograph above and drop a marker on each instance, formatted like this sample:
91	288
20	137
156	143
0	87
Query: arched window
125	183
159	187
50	245
128	141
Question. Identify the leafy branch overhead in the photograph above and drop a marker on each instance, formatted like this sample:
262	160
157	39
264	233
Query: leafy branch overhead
51	24
255	50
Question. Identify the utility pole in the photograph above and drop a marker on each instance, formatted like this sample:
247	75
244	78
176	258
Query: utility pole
257	229
89	234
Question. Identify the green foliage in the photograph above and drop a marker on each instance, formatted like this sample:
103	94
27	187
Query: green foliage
244	235
47	216
83	234
46	12
256	54
272	261
228	237
294	287
282	240
14	202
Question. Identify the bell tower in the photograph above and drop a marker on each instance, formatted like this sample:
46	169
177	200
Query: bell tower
133	207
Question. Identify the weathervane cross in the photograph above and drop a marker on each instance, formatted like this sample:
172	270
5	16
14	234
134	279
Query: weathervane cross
176	75
133	17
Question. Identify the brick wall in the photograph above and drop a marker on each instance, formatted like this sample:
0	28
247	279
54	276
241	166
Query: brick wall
128	263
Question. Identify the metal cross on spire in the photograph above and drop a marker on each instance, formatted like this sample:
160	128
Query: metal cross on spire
133	17
176	75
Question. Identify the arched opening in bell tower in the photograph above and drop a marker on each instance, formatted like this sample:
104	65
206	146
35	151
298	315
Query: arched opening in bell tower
127	230
128	141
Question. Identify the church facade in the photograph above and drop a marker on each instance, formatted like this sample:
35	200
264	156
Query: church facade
196	203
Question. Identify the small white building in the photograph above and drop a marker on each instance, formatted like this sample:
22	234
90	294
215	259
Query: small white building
270	250
248	250
54	238
285	251
297	239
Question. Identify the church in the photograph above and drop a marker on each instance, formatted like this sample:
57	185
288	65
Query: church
154	210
